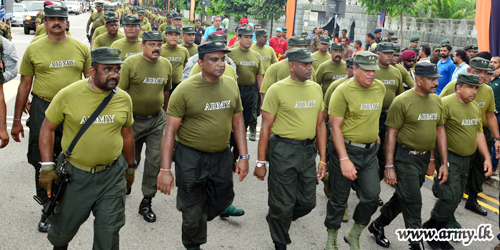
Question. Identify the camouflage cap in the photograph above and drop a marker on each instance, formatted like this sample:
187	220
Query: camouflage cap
303	34
349	62
173	29
245	31
212	46
216	38
324	40
468	78
261	32
151	35
106	55
169	14
55	11
188	30
414	38
297	41
176	16
479	63
397	49
300	55
109	13
390	33
131	20
141	12
366	60
385	47
426	69
436	47
337	46
445	41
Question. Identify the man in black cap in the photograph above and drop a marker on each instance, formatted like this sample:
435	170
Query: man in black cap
103	29
389	36
96	166
462	122
145	25
416	111
113	33
471	50
209	106
130	44
292	111
188	36
378	35
436	54
332	69
147	77
322	54
96	19
176	54
49	65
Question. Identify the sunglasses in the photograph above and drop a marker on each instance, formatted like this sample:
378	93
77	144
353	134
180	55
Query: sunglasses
410	60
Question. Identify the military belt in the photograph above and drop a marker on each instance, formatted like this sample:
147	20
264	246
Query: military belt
360	145
295	142
245	88
412	151
138	117
92	170
41	98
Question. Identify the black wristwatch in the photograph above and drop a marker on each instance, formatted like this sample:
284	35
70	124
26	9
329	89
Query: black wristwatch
134	166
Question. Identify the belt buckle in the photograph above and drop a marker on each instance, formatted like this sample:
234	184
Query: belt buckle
93	169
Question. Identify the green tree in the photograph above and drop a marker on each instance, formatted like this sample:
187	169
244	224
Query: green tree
454	9
265	10
396	8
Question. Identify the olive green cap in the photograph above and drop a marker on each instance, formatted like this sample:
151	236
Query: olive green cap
55	11
109	13
397	49
492	70
390	33
373	50
426	69
172	28
188	30
479	63
151	35
366	60
297	41
445	41
131	20
299	55
394	39
349	62
414	38
261	32
216	38
324	39
169	14
111	19
99	4
176	15
337	46
468	78
284	29
385	47
212	46
107	7
245	31
106	55
141	12
436	47
303	34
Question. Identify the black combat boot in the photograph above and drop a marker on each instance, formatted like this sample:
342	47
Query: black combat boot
377	229
417	246
146	211
279	247
473	206
61	248
432	224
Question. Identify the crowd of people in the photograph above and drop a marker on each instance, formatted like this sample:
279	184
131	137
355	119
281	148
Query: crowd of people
189	94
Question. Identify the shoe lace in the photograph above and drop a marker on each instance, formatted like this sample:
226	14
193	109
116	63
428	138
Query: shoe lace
358	234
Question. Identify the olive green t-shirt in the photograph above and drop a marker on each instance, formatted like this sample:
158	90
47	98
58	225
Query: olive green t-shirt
331	88
228	71
128	48
462	122
102	143
393	81
106	40
248	65
321	59
145	82
178	57
99	31
328	72
267	55
145	26
206	109
97	19
296	106
193	49
406	76
54	71
162	27
485	99
278	72
416	118
361	107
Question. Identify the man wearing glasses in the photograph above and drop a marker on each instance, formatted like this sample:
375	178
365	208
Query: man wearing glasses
407	61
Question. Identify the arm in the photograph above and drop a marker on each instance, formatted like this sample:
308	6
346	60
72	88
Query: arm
11	59
265	133
88	26
482	146
92	43
4	135
260	78
493	125
442	147
346	166
432	165
240	135
22	96
321	144
46	144
390	144
165	99
128	145
165	180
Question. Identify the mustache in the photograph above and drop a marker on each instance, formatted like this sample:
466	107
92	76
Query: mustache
56	26
338	57
156	51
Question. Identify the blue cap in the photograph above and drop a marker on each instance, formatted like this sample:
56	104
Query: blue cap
279	29
251	25
377	31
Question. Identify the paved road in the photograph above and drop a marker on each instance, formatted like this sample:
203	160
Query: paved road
20	213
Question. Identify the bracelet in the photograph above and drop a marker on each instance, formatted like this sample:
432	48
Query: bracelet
390	166
432	159
46	163
344	158
324	163
261	162
496	139
166	169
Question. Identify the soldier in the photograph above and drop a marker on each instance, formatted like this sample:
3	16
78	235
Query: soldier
291	151
177	21
96	166
486	102
378	35
148	79
104	29
201	153
414	40
113	34
145	26
97	20
436	50
354	136
176	54
188	35
321	55
396	55
469	49
389	36
250	71
8	71
332	69
40	17
406	68
169	18
131	43
50	64
417	111
462	121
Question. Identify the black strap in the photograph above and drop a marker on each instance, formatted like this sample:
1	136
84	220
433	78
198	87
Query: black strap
89	122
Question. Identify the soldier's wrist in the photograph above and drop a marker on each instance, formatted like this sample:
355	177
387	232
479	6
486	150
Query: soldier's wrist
47	166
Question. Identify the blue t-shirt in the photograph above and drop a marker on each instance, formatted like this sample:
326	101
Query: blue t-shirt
495	85
445	69
208	31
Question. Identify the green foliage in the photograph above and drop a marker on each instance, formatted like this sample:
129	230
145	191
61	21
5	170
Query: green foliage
454	9
395	8
265	10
